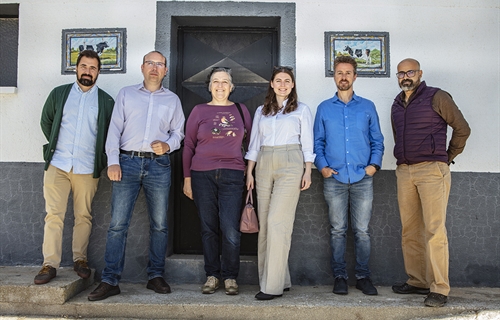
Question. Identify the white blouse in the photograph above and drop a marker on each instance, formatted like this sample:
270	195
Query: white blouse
281	129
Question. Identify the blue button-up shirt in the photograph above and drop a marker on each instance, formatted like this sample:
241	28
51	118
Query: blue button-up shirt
347	137
77	135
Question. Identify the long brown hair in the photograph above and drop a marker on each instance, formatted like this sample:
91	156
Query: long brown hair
271	104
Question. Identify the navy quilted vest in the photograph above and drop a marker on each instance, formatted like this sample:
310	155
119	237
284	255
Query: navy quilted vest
420	131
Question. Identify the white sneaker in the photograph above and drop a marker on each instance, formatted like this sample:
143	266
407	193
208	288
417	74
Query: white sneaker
211	285
231	287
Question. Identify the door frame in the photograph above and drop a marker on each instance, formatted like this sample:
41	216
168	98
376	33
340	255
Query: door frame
171	15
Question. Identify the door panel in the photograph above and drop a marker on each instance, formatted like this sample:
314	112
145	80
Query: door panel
251	54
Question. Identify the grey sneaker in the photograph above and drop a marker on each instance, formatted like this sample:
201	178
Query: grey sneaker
211	285
231	287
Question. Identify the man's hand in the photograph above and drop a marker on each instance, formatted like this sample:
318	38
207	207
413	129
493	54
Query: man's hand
327	172
115	172
370	170
160	147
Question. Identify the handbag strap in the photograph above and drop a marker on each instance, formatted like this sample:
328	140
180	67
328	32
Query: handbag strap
242	118
249	197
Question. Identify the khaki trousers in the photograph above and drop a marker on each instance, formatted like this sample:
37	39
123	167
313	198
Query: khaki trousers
57	185
423	191
278	175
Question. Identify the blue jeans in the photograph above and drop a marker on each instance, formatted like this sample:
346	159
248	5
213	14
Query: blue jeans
218	197
357	197
154	176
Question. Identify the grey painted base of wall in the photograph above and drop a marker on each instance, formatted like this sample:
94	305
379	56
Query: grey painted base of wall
473	223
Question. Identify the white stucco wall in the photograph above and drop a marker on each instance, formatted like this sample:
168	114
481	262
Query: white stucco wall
456	41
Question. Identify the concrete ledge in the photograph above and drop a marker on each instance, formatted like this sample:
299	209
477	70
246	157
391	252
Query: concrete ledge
16	286
189	269
302	302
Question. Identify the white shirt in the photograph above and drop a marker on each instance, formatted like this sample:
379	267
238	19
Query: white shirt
282	129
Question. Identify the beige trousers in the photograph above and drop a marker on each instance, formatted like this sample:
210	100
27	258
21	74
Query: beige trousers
57	185
423	191
278	175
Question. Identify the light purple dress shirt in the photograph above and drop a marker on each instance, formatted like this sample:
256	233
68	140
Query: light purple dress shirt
141	117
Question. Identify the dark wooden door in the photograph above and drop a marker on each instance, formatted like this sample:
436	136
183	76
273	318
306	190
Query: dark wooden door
251	55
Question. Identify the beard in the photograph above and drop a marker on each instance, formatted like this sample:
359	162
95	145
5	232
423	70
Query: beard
86	81
408	85
344	85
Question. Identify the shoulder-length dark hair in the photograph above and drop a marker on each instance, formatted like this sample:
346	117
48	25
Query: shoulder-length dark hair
271	104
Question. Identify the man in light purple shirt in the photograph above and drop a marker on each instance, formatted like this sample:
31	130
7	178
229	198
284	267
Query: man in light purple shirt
147	124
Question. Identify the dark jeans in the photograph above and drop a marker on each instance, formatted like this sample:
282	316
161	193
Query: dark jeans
218	197
154	176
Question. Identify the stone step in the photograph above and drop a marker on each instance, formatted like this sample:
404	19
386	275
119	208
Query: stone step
189	269
17	286
57	299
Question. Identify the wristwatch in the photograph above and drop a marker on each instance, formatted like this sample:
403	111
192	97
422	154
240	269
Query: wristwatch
376	166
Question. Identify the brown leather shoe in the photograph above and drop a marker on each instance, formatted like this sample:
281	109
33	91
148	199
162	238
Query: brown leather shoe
82	269
45	275
159	285
103	291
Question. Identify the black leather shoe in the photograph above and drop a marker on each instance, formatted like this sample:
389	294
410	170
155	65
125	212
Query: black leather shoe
405	288
366	286
159	285
340	286
264	296
435	300
103	291
82	269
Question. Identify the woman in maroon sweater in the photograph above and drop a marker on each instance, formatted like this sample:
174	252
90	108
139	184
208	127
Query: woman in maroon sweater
214	177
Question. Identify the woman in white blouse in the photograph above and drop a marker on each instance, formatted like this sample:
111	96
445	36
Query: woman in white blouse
281	150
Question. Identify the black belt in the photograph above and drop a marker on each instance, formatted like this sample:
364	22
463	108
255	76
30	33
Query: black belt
141	154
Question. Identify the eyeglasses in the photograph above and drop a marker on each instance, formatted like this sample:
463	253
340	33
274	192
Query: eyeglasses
283	68
409	74
150	64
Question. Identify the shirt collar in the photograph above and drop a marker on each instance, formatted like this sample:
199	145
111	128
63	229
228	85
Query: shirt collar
141	86
80	91
354	97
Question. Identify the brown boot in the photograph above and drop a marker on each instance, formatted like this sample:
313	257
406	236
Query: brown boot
45	275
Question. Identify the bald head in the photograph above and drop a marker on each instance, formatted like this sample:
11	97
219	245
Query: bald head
410	61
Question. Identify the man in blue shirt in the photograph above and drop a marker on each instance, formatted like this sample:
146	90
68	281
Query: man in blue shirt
349	146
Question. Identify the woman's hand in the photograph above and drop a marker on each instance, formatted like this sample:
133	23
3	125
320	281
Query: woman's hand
250	181
306	181
306	178
188	191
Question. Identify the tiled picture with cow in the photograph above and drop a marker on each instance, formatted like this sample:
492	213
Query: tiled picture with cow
369	49
108	43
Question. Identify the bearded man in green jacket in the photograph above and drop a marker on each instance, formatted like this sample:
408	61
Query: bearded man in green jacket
75	121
